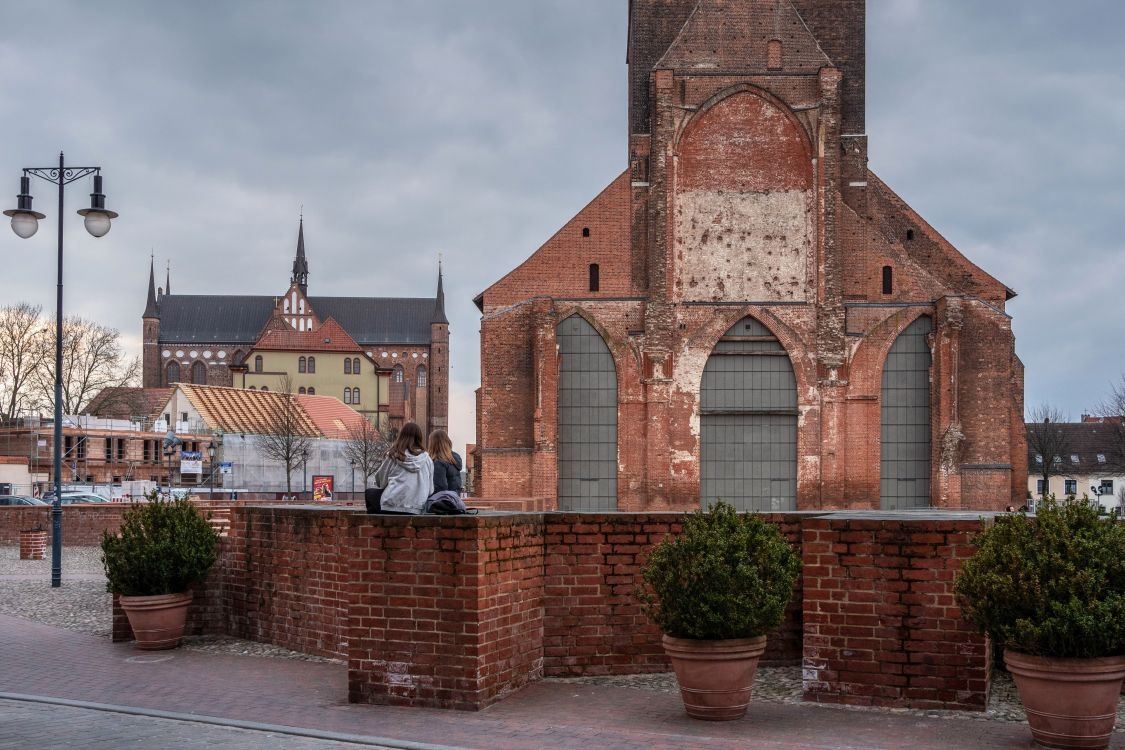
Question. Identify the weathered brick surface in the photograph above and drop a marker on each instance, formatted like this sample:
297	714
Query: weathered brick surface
881	627
82	525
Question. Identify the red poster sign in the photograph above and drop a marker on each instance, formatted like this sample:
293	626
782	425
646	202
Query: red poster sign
322	488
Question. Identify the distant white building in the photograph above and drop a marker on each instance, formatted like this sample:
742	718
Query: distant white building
1093	466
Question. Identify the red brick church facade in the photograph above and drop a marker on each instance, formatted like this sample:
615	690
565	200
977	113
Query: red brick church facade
747	312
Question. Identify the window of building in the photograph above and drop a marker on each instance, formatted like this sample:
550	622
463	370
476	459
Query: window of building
1106	487
264	388
199	373
1070	487
258	363
301	390
312	391
146	453
909	234
120	449
253	388
301	364
773	54
173	372
888	280
420	377
1073	458
1038	458
312	364
1101	458
355	396
108	449
398	374
347	395
1040	487
355	366
238	358
80	448
595	277
1057	460
347	365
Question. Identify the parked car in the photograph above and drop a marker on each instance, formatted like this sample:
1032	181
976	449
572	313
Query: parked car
76	498
20	500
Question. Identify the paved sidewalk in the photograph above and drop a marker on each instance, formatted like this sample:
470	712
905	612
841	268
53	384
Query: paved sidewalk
40	660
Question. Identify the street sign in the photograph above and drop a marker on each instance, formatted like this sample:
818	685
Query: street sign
226	467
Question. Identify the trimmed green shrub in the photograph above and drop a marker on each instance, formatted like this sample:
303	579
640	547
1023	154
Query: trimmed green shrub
163	547
1050	585
724	576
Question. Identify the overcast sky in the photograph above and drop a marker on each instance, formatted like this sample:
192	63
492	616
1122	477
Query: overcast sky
476	128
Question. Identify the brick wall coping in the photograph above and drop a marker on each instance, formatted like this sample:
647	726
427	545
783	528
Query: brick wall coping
924	514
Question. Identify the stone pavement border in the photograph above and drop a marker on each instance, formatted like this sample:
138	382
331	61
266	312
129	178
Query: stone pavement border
357	739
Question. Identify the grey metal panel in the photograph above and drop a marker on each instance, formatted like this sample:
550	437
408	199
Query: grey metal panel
587	419
748	426
904	430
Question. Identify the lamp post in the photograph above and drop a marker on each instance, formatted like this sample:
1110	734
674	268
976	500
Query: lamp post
353	478
25	222
211	466
304	471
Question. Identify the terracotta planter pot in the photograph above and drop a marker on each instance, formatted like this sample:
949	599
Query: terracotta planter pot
1070	703
715	677
157	621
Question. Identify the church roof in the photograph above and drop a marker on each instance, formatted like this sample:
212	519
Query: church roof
201	318
330	337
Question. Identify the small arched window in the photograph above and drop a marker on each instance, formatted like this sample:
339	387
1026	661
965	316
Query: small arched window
347	395
420	377
355	396
312	364
595	277
398	373
253	388
355	366
312	391
347	365
888	280
173	372
264	388
301	390
301	364
199	373
258	363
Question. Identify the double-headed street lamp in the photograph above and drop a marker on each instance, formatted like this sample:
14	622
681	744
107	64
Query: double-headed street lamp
25	222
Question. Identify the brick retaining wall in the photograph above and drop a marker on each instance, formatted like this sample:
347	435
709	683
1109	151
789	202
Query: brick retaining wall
82	525
458	611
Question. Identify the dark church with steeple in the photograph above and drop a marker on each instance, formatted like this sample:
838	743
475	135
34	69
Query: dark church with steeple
386	357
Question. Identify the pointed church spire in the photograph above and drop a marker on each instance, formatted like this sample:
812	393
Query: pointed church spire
439	300
300	264
151	310
168	277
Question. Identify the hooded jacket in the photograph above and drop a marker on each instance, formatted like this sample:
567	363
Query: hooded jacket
407	483
447	476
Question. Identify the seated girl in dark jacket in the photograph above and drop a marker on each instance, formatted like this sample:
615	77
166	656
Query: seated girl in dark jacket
447	464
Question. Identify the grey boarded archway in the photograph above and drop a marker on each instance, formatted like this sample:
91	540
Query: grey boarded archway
587	458
748	422
904	429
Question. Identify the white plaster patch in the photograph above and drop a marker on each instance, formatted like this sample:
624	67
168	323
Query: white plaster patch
743	246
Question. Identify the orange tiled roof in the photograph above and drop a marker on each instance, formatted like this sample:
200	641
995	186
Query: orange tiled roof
125	402
330	337
245	411
331	415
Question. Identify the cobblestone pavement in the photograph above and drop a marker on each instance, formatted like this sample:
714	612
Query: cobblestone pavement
82	605
45	725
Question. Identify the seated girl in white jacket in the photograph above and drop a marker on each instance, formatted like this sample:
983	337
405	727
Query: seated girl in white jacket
406	474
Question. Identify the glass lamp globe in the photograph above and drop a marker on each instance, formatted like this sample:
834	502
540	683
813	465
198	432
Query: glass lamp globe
97	223
24	224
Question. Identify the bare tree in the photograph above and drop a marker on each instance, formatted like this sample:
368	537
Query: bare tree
286	439
1048	439
366	447
93	359
1112	410
24	343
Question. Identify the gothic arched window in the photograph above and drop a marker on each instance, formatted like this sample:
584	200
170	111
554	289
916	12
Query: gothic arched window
420	377
173	372
398	373
312	364
258	363
199	373
301	365
355	366
347	365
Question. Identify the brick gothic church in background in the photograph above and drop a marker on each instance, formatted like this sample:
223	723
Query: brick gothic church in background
387	358
747	312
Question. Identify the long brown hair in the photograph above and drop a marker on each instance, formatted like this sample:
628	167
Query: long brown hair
409	440
440	447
